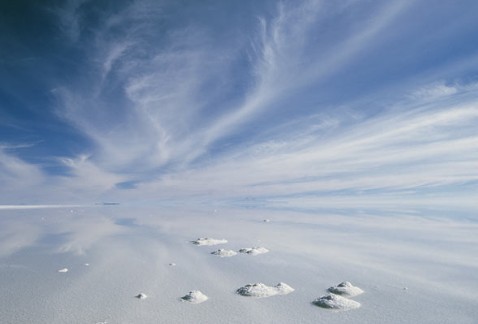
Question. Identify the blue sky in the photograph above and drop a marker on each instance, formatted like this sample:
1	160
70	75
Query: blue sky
293	103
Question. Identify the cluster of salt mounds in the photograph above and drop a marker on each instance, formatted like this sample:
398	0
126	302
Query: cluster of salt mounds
224	253
345	289
195	297
336	302
254	250
260	290
208	241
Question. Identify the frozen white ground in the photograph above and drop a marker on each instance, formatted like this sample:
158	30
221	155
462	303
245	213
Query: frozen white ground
413	268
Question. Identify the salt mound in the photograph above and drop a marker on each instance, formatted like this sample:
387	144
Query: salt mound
195	297
63	270
141	296
346	289
254	250
260	290
336	302
208	241
224	253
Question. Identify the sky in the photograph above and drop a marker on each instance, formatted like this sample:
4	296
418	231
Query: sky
282	104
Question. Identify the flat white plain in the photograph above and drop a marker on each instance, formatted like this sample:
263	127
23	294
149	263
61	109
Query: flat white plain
434	258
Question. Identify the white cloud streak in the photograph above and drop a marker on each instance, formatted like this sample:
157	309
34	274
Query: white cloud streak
425	148
17	175
282	66
166	89
158	101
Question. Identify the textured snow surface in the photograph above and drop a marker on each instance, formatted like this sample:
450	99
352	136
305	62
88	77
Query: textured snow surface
260	290
141	296
208	241
195	297
223	253
254	250
336	302
346	289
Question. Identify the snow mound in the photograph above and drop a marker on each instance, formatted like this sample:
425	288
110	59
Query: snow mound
224	253
141	296
63	270
346	289
208	241
254	250
336	302
260	290
195	297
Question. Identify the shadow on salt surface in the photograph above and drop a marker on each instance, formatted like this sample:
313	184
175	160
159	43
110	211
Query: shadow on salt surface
141	296
195	297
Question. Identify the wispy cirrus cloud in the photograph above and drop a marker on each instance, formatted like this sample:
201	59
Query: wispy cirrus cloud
425	149
17	175
294	98
285	59
27	183
170	93
157	91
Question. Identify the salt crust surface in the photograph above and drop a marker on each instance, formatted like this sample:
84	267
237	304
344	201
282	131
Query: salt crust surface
223	253
195	297
208	241
261	290
254	250
337	302
346	289
422	303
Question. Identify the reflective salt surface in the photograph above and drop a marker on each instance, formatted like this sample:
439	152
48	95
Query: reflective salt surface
412	267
